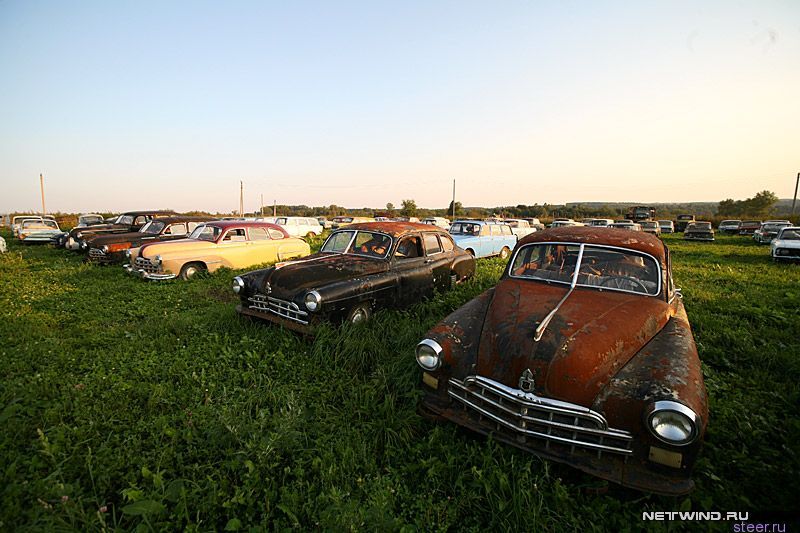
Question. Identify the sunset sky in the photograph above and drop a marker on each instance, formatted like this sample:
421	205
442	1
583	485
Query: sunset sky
125	105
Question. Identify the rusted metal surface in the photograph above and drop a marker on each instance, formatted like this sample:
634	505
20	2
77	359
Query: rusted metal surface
610	353
87	231
346	281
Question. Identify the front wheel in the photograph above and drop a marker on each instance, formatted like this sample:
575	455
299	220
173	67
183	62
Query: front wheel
358	314
505	252
191	270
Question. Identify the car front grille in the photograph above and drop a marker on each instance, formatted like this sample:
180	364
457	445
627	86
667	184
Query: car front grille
142	263
534	420
282	308
788	252
96	254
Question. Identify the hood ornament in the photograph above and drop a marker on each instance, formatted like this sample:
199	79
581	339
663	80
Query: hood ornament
526	382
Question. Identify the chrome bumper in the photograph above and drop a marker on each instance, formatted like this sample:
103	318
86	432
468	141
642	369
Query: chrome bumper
148	275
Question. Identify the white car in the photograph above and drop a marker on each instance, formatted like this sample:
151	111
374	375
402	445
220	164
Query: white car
439	222
16	222
626	224
786	246
729	226
38	230
300	226
667	226
520	227
769	230
564	222
601	222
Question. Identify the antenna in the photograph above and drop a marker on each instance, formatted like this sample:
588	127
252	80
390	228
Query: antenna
241	199
44	211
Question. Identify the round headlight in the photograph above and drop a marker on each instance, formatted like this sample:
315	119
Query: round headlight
673	423
238	284
158	259
128	252
105	249
312	300
84	245
429	354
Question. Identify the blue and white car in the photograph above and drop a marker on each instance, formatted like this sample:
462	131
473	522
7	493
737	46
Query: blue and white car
482	238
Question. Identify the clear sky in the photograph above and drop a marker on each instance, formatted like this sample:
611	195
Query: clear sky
125	105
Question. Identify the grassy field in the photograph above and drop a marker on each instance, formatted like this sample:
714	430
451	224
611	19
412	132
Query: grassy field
126	405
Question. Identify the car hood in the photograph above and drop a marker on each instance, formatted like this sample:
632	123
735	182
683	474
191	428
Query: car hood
776	243
320	269
591	337
104	238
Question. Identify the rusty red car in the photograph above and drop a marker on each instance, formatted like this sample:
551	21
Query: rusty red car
582	354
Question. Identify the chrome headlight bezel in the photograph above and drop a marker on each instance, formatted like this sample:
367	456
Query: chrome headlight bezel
156	260
312	301
667	416
104	248
238	284
429	354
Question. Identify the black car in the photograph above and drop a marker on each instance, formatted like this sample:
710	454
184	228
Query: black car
124	223
360	268
107	248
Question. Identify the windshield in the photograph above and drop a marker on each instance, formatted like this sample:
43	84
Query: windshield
465	228
342	219
126	220
790	234
600	267
774	227
358	242
649	224
39	224
206	233
92	219
153	227
729	223
685	217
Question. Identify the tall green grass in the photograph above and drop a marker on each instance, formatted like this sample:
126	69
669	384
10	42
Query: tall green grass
131	405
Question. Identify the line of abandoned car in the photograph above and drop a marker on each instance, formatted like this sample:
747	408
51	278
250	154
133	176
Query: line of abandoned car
582	353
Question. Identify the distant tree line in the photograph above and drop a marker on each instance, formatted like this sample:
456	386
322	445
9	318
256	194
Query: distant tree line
762	205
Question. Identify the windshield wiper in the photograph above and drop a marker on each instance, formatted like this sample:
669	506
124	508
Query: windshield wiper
543	325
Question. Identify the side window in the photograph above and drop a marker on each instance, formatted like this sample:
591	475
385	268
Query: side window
275	234
432	245
484	231
176	229
506	230
258	234
496	229
140	220
292	222
193	225
447	244
235	235
408	248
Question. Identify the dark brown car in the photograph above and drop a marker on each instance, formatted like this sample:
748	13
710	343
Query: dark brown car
126	222
360	268
107	248
581	354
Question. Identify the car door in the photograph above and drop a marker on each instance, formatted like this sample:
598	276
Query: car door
412	269
234	248
496	239
437	259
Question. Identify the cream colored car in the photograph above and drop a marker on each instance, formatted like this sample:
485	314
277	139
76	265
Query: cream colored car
230	243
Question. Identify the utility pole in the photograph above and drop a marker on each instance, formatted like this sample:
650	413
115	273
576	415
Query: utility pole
793	201
262	205
44	211
241	199
454	201
274	208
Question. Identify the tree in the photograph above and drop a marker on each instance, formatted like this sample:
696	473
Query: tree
760	205
459	209
390	208
409	208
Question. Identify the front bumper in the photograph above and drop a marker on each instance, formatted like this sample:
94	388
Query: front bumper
305	329
696	237
630	468
154	276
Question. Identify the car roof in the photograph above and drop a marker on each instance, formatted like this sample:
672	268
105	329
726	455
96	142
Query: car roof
182	218
394	229
632	240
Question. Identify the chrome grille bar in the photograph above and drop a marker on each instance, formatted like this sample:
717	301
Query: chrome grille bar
282	308
142	263
529	416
